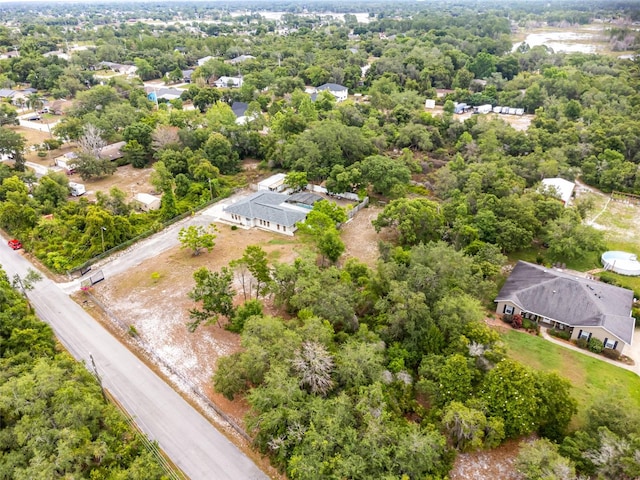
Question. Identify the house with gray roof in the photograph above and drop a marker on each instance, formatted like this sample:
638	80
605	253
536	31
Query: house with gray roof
241	59
557	299
339	91
266	210
7	93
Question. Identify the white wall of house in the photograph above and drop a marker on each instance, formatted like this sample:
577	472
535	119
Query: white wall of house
600	334
506	308
257	223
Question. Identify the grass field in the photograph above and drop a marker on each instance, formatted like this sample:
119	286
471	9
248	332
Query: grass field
591	378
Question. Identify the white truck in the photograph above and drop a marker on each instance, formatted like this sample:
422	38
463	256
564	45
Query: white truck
76	189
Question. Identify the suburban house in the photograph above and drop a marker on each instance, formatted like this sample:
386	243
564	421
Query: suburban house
7	93
186	75
338	91
163	93
241	59
203	60
119	67
59	54
557	299
240	110
266	210
146	202
563	188
112	152
228	82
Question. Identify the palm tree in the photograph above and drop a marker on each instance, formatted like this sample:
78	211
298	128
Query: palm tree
34	101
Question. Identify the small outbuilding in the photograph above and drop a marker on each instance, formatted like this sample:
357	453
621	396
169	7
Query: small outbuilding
112	152
561	187
275	183
146	202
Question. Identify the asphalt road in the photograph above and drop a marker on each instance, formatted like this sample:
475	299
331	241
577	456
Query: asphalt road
188	439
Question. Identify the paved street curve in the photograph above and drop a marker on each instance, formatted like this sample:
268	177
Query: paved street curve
188	439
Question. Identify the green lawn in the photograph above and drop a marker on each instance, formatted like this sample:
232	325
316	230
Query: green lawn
582	264
590	377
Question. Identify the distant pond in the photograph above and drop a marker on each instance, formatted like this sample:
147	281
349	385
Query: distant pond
563	41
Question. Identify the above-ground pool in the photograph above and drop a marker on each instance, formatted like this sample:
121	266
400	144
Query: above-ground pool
624	263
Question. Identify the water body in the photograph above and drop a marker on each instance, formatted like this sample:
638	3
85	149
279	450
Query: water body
563	41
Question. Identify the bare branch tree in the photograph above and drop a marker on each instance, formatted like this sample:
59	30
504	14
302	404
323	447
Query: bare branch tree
314	364
91	141
164	136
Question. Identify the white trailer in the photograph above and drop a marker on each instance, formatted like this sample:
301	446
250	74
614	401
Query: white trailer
76	189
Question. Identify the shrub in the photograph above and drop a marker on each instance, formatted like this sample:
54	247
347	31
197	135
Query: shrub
234	227
42	154
133	331
249	309
595	345
582	343
530	325
516	322
507	318
563	334
611	353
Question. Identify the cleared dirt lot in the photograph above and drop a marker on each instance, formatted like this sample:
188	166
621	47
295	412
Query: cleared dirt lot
153	298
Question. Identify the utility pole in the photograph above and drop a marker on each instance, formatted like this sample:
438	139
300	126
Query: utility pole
95	373
102	230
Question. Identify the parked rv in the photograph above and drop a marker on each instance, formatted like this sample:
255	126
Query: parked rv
76	189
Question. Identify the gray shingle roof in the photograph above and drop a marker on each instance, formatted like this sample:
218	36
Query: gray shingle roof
268	206
239	108
306	198
575	301
333	87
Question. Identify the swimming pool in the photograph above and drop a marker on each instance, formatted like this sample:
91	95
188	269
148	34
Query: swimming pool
624	263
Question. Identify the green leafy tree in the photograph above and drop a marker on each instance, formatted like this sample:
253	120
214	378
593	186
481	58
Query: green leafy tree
330	245
198	238
416	220
468	429
135	154
88	166
385	174
510	393
296	180
8	115
12	144
540	460
219	152
215	291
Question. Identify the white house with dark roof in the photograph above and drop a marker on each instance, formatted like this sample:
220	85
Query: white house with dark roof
228	82
339	91
266	210
586	308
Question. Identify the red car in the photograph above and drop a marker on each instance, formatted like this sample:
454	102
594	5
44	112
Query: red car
15	244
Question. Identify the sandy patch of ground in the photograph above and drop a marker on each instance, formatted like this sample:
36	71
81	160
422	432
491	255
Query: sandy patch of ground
153	298
360	237
518	122
31	136
128	179
487	464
